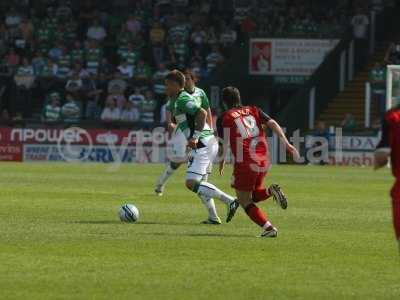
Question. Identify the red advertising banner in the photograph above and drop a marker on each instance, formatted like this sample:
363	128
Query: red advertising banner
81	136
10	152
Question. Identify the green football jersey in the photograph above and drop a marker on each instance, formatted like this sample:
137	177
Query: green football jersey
184	108
199	95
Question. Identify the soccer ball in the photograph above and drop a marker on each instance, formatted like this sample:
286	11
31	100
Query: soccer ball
128	213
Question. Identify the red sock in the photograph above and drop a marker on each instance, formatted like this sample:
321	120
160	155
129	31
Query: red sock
256	215
396	216
261	195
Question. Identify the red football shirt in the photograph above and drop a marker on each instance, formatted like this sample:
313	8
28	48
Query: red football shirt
242	126
391	139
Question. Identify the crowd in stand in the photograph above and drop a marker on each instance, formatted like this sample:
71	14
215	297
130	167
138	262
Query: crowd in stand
73	60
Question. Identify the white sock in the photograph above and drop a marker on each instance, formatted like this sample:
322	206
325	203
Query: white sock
162	180
267	225
211	191
210	206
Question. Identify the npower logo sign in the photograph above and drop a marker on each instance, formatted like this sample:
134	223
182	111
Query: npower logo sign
24	135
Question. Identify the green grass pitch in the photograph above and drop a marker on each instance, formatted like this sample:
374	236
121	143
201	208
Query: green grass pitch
60	237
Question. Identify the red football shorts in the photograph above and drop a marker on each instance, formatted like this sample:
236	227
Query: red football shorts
249	177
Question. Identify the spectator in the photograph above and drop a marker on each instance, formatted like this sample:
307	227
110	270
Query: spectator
142	73
377	78
24	76
124	37
128	54
196	56
348	123
198	37
25	69
197	70
64	63
157	37
93	55
52	111
214	58
78	69
158	82
38	63
133	25
118	98
13	18
179	52
71	110
74	85
91	95
77	52
147	108
110	112
57	51
211	36
12	59
44	37
106	68
227	37
117	85
180	30
50	69
63	11
126	70
157	34
136	98
96	32
27	30
130	113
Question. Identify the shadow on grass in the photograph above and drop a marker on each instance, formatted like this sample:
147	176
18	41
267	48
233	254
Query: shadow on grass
218	235
173	234
108	222
97	222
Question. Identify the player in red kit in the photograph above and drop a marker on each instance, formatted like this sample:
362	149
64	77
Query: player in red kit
241	127
389	146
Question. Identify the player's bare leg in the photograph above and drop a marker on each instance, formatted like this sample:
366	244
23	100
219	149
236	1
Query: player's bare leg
256	214
167	173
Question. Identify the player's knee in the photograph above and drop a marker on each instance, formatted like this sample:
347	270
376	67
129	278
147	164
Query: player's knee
174	165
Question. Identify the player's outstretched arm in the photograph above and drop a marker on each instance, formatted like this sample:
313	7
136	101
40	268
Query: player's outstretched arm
275	127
